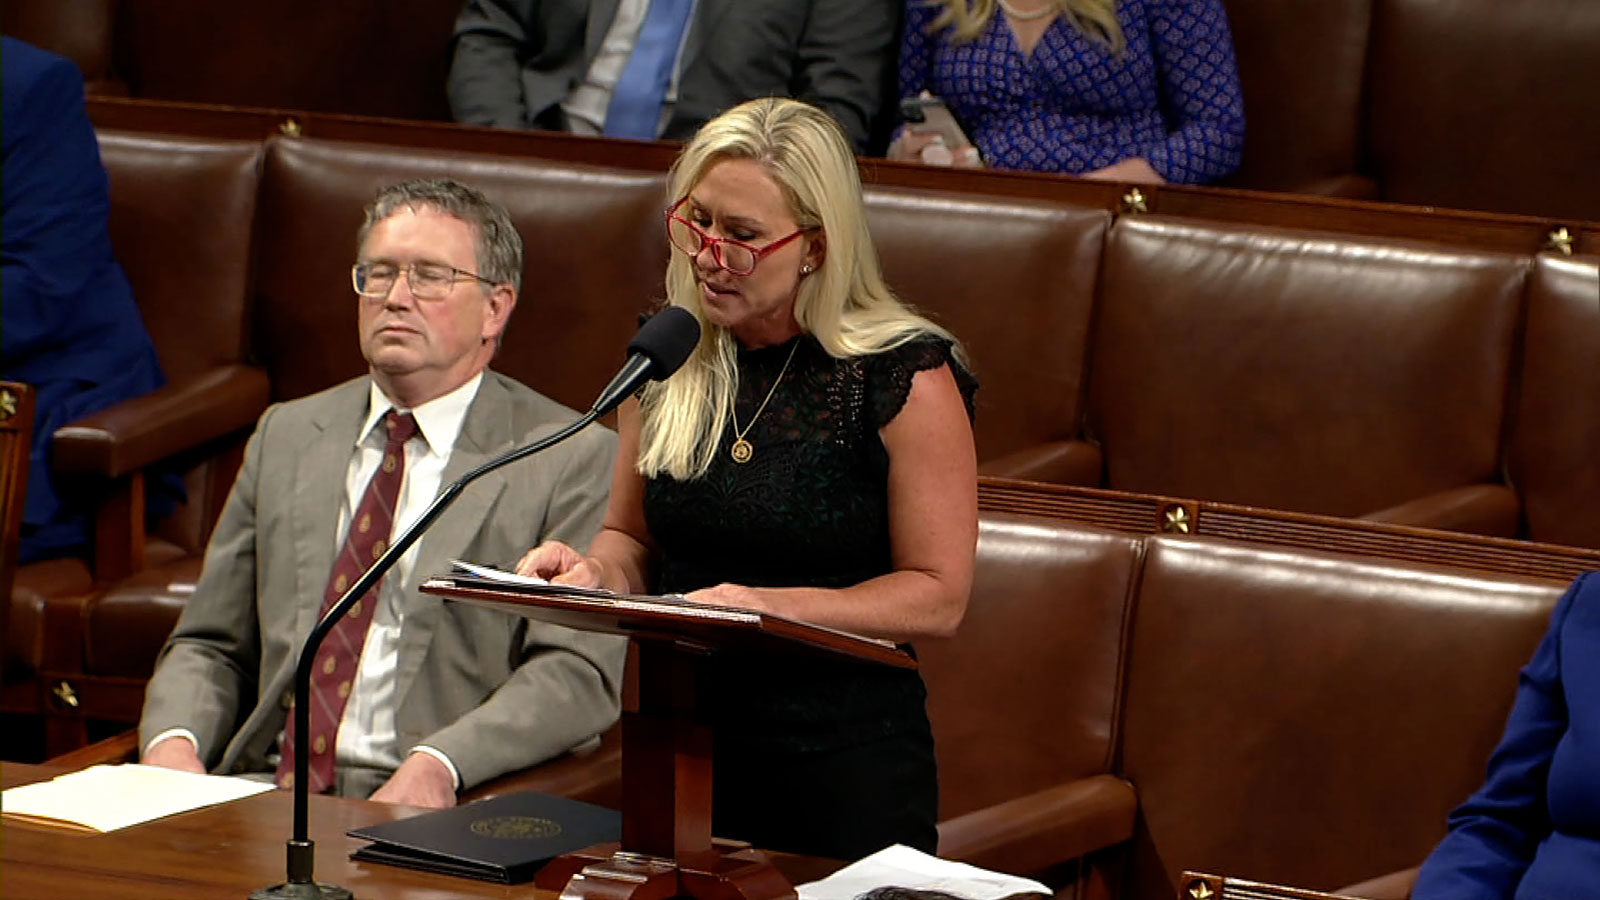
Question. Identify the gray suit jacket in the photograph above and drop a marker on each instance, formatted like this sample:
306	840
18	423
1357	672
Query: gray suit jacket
494	692
516	60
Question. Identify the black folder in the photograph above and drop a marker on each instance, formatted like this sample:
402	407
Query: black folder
504	839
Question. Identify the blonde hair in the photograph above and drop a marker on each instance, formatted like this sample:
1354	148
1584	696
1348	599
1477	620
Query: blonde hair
967	19
845	304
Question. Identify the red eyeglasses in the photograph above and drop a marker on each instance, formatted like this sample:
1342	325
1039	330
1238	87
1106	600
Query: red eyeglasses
735	256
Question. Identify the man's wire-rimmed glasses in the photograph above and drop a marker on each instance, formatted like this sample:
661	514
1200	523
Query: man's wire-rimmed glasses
737	257
429	281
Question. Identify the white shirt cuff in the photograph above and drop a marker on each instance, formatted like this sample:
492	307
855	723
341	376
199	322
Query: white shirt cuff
184	733
455	776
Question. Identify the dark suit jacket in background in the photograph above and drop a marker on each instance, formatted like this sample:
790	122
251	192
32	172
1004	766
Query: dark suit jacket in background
516	60
494	692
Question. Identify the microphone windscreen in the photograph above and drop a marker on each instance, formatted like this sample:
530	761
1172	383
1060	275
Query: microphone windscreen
666	340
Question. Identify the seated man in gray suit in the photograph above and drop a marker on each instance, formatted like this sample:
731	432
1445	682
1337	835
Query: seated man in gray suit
663	68
413	696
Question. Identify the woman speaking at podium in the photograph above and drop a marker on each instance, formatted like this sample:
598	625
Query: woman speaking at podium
812	459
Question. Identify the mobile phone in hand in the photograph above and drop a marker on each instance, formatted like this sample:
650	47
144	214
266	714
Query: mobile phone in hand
928	114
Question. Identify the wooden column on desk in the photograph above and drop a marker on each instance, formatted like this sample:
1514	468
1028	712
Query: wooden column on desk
667	849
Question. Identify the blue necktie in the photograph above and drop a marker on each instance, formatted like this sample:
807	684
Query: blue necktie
635	109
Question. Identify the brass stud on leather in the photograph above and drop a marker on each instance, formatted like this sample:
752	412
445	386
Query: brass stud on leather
1176	518
1559	240
66	694
8	405
1133	201
290	128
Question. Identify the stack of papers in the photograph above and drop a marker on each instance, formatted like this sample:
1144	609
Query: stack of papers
106	798
903	867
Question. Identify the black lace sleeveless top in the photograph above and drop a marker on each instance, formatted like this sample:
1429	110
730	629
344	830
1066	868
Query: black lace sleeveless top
809	508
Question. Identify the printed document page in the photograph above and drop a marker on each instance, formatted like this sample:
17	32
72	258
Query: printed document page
106	798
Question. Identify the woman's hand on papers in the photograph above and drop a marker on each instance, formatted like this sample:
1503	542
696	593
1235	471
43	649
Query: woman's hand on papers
559	563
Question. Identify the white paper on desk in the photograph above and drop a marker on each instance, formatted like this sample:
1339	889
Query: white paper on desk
902	866
105	798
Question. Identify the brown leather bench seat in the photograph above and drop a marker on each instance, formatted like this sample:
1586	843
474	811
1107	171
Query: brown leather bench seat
1307	718
1290	370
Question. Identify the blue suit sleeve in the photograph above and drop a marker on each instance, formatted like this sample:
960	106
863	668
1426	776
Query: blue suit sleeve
56	203
1493	836
1200	92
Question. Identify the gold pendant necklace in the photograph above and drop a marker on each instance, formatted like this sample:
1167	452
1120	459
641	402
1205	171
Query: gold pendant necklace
741	451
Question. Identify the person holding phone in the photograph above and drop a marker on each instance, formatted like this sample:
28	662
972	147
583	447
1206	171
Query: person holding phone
1128	90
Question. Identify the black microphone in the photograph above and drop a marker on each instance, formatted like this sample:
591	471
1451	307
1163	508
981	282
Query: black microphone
660	347
658	350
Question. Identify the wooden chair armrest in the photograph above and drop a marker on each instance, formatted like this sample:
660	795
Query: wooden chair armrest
1058	462
1032	834
1491	509
591	773
1350	186
144	430
119	748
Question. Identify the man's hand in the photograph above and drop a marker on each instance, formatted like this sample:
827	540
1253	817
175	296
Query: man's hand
421	780
175	753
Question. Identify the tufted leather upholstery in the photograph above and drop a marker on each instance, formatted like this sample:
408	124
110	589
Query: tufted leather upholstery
1556	426
1292	371
1481	104
182	217
1308	718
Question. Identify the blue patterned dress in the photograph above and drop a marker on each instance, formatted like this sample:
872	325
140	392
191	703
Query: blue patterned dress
1171	97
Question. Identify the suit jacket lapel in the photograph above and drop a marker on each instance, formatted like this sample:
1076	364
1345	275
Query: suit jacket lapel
485	434
707	13
601	14
319	492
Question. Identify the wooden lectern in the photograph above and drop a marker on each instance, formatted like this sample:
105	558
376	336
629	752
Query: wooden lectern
667	849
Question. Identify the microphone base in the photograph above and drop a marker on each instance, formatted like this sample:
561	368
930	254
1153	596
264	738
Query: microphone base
303	890
301	885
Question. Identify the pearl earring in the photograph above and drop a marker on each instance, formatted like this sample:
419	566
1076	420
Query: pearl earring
805	269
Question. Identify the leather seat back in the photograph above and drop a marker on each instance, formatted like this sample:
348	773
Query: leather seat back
1483	104
1298	371
1303	70
182	224
1554	456
1014	279
1307	718
1024	697
182	221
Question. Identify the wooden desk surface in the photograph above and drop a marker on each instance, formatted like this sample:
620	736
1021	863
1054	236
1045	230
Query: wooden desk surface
225	852
218	853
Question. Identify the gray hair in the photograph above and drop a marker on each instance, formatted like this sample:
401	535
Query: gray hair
499	246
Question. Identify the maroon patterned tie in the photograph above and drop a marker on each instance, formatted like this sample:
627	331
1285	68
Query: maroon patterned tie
334	671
